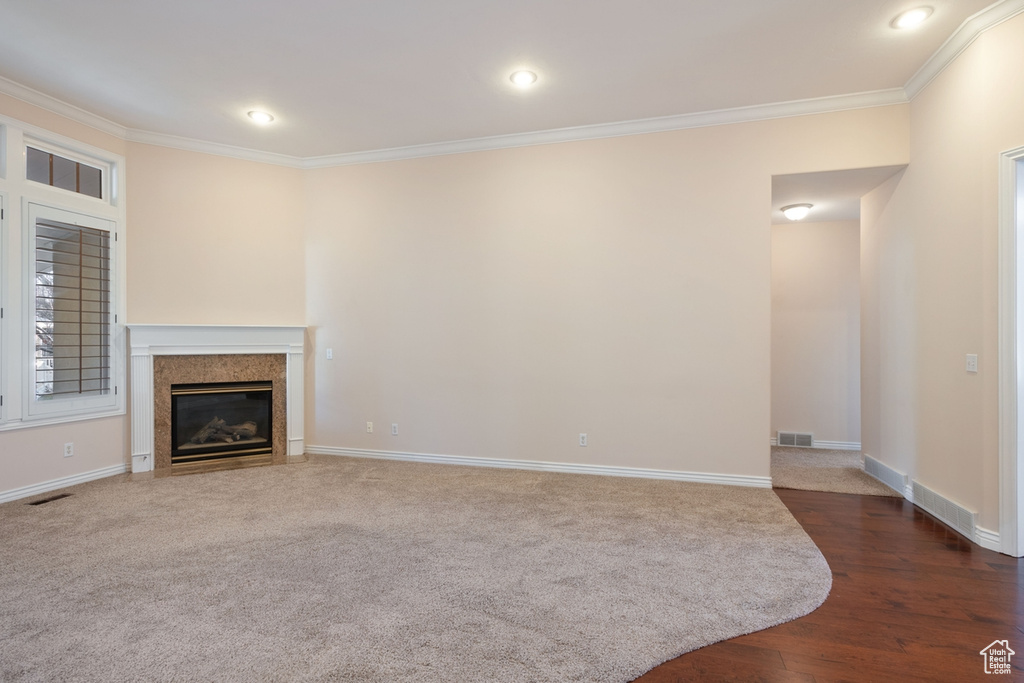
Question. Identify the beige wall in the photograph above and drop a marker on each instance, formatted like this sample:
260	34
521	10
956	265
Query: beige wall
882	364
816	330
213	240
497	304
934	246
35	455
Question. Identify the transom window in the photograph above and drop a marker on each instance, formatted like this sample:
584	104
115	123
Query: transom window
67	174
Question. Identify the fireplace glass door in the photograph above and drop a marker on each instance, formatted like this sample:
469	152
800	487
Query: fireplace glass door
226	420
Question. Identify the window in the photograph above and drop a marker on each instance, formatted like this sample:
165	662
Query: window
67	174
70	318
72	352
61	279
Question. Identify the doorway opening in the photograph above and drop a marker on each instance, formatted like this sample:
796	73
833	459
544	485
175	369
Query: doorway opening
816	332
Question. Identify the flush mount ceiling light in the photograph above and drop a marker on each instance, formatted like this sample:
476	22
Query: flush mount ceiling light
911	18
260	117
523	78
796	212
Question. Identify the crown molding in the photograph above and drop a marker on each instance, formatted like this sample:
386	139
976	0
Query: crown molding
215	148
68	111
821	105
719	117
961	39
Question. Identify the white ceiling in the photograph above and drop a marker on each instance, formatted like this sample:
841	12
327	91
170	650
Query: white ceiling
835	195
347	76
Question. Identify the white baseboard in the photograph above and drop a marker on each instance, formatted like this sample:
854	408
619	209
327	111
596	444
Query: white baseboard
569	468
838	445
63	482
827	445
988	539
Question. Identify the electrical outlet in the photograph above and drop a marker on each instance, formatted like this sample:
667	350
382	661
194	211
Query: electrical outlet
369	428
972	362
394	429
69	449
583	439
330	354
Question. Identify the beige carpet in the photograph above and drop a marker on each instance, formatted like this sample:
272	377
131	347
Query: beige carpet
816	469
343	569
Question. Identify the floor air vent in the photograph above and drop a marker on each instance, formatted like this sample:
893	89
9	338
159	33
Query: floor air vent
953	514
50	499
796	439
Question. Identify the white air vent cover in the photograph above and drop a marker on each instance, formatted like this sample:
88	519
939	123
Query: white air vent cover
796	439
885	474
955	515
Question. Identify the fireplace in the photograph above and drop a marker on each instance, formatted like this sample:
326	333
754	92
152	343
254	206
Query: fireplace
214	421
166	357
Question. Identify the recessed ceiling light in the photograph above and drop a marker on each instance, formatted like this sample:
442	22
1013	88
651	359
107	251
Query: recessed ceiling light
261	117
797	212
911	18
523	78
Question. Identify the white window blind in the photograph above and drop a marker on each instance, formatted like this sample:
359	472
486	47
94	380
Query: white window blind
72	310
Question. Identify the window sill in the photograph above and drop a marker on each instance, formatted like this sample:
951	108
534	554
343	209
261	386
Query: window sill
49	420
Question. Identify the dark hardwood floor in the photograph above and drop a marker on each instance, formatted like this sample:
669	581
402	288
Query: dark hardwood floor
911	600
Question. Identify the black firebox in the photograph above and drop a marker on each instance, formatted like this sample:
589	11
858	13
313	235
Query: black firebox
224	420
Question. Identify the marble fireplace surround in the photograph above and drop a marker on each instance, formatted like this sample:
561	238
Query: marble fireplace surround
149	341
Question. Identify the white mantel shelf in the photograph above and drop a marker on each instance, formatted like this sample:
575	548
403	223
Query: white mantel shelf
148	341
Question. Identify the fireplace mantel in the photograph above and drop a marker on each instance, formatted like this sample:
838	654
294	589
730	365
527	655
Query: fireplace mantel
148	341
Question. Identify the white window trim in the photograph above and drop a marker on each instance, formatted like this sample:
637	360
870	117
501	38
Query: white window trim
17	282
